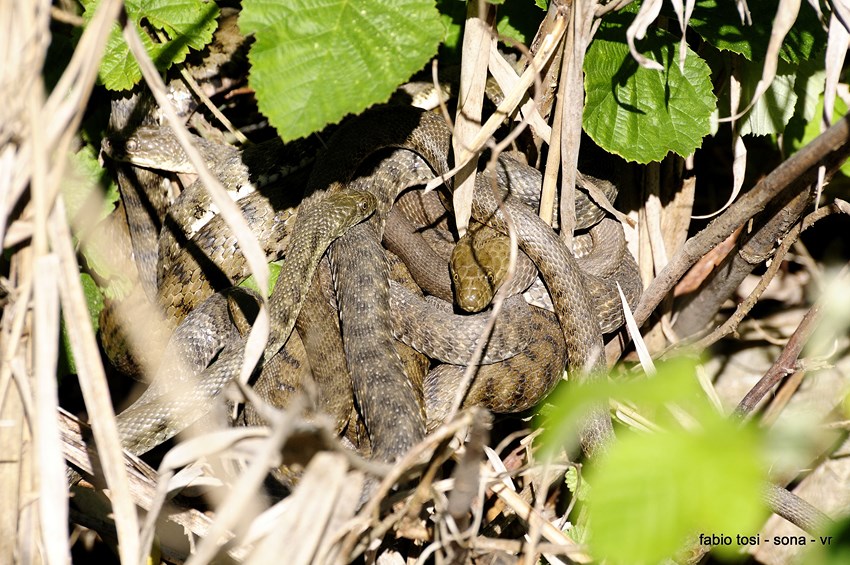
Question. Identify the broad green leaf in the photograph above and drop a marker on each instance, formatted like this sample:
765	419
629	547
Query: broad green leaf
642	114
654	491
718	23
315	61
185	23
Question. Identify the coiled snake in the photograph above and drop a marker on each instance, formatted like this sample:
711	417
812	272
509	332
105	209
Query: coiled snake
388	402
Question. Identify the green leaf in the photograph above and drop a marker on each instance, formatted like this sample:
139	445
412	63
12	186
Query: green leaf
315	61
580	489
186	23
675	383
654	491
94	299
643	114
90	194
94	303
453	16
834	546
719	24
809	86
518	22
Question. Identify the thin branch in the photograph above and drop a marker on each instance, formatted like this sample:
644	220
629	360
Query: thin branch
786	363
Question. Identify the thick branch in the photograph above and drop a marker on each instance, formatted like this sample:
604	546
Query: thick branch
730	325
831	145
772	225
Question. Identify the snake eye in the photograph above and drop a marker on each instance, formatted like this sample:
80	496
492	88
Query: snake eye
490	278
131	145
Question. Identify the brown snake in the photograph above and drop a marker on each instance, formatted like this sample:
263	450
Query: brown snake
386	400
160	413
428	139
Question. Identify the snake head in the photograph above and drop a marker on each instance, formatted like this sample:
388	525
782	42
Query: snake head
347	208
152	147
478	266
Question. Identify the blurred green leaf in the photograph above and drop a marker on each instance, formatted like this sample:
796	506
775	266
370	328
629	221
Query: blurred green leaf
831	548
94	299
569	404
94	303
654	491
87	184
90	196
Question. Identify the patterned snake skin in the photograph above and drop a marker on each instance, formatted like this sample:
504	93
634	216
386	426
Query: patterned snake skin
389	405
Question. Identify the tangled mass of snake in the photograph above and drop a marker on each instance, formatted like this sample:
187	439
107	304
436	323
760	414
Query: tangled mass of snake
378	308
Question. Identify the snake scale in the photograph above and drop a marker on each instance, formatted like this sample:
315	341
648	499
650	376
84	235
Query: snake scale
361	274
163	411
390	406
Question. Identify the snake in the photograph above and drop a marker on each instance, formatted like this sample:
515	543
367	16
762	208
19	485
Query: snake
144	250
386	400
196	250
160	414
143	153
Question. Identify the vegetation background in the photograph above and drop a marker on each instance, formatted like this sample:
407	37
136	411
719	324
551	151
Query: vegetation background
715	109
